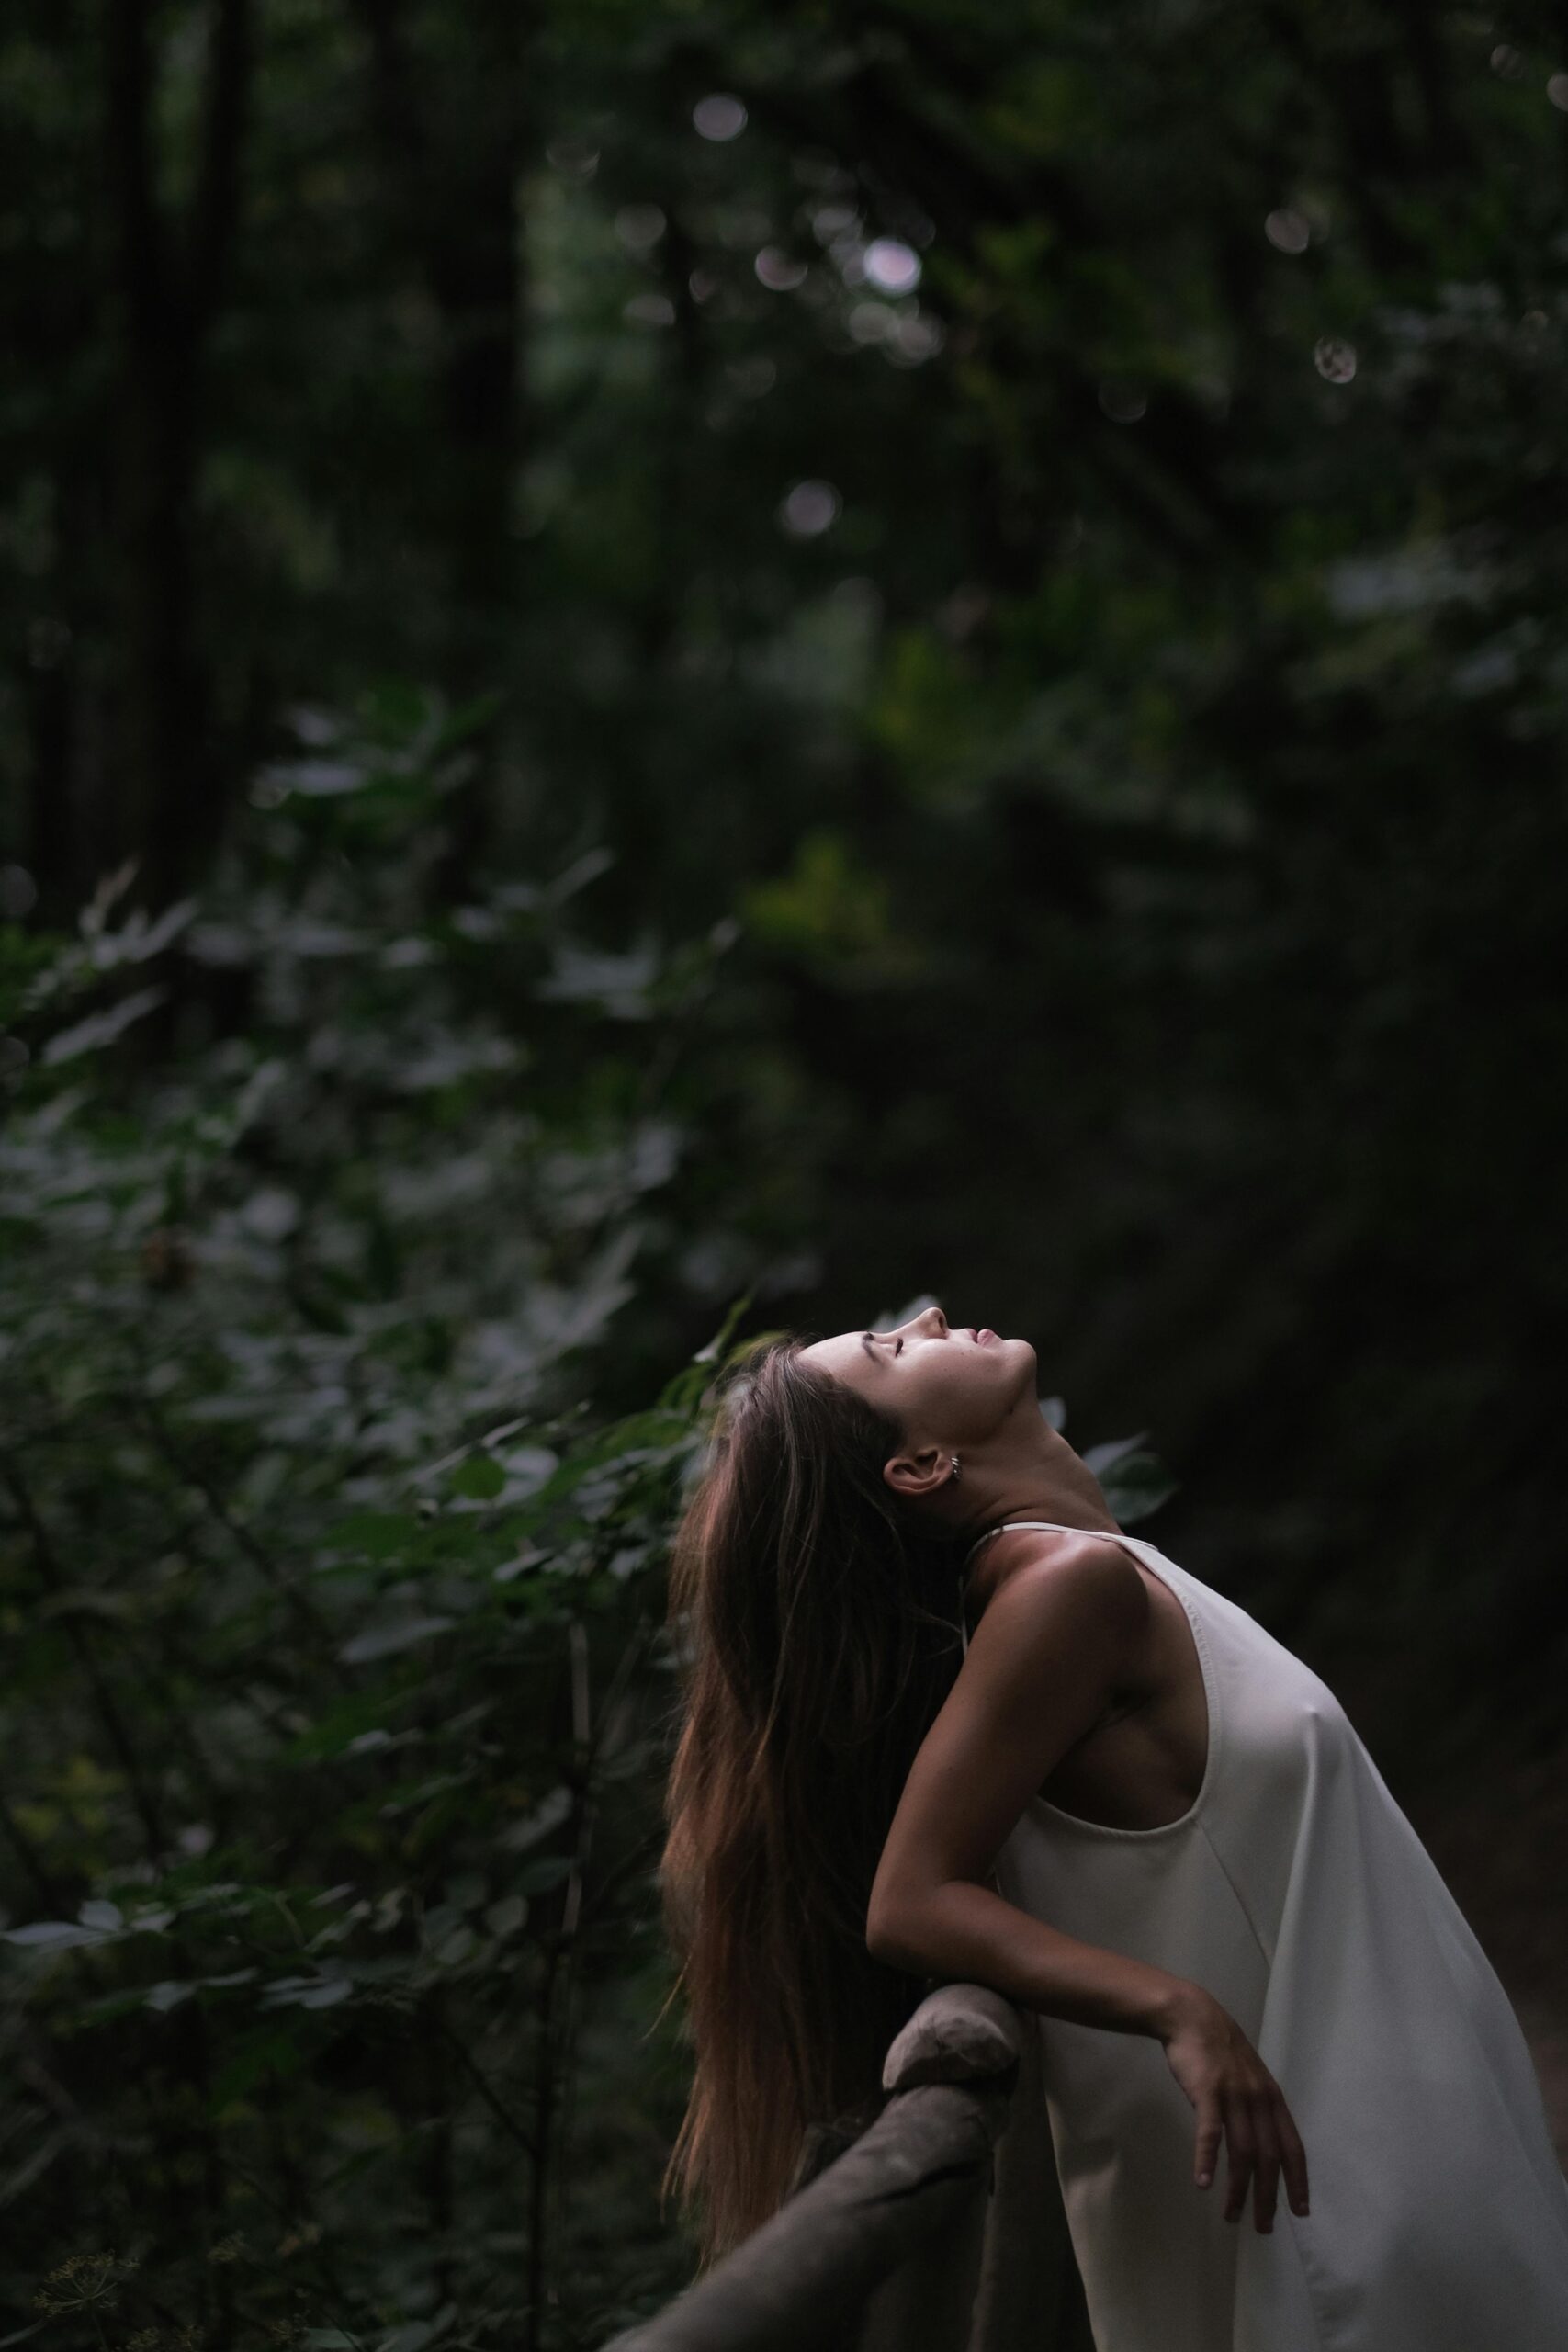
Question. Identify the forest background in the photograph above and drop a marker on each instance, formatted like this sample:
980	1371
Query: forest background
673	670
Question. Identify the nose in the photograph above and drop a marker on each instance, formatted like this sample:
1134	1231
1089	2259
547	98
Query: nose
933	1315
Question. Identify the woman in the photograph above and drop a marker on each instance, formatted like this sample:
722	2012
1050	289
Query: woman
1231	1936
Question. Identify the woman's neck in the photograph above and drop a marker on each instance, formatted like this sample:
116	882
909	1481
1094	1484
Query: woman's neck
1059	1496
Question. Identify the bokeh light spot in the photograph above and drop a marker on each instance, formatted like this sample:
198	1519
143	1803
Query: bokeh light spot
1333	358
809	508
1288	231
650	310
1506	61
639	227
574	159
778	271
18	892
753	377
831	220
872	322
1557	91
914	339
719	116
892	266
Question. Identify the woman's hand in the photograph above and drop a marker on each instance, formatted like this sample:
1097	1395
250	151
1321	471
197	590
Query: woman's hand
1237	2099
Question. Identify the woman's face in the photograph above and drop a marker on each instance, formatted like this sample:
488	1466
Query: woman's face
943	1384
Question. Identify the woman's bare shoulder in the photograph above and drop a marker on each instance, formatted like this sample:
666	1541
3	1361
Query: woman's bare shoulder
1059	1584
1022	1559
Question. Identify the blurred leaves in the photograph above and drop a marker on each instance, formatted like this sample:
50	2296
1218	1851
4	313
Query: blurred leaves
988	581
314	1530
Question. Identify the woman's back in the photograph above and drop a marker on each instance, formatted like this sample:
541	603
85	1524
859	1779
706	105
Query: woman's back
1293	1889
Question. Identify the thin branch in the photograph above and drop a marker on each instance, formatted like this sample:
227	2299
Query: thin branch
639	1856
509	2122
316	2249
239	1535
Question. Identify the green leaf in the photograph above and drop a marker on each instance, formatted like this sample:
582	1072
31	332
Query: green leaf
305	1992
379	1535
716	1349
547	1871
1138	1487
100	1028
478	1478
267	2052
110	2005
340	1726
1101	1458
168	1995
384	1641
52	1935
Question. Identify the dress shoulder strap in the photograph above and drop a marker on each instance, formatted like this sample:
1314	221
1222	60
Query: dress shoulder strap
1056	1526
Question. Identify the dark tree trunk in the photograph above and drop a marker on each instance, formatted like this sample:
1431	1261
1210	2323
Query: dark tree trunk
167	791
452	154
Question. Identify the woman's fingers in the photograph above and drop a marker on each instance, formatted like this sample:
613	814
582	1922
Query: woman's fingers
1293	2158
1238	2136
1241	2107
1266	2181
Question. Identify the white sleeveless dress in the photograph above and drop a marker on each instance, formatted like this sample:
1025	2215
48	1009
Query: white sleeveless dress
1295	1891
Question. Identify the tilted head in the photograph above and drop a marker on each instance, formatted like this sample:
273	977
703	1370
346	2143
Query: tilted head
950	1392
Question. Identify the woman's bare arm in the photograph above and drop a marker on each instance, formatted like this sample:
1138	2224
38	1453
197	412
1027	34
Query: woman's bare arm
1056	1638
1053	1640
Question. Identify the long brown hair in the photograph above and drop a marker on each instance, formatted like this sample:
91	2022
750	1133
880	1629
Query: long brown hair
817	1632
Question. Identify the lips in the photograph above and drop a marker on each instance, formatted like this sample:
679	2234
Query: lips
985	1336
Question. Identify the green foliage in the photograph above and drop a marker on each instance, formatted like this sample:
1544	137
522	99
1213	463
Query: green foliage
336	1694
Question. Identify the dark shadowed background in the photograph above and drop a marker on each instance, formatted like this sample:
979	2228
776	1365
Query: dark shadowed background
686	666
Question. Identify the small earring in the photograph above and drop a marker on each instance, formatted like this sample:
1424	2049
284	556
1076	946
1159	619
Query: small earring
954	1472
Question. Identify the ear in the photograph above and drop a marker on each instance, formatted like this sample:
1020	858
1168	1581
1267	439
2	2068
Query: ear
918	1474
